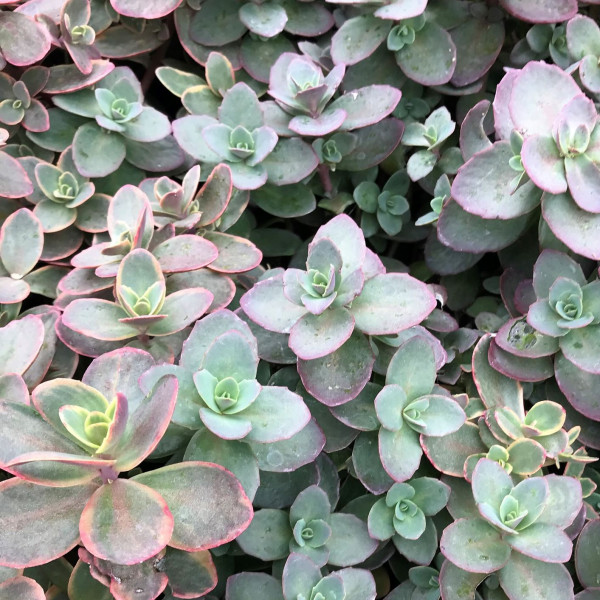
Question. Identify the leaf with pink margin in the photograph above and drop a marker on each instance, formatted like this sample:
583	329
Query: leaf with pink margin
14	388
144	9
288	455
57	469
119	371
400	452
519	367
539	93
291	161
15	182
266	305
16	356
583	176
475	546
448	453
552	264
367	105
330	120
465	232
563	503
236	254
473	138
22	40
579	387
22	588
22	431
431	58
68	78
544	164
109	524
40	523
316	336
357	39
413	367
131	207
495	389
276	414
502	119
191	574
582	348
583	37
587	554
589	73
82	344
548	11
21	242
181	309
184	253
99	319
576	228
367	463
525	578
147	424
390	303
542	542
223	514
484	185
266	19
401	9
340	376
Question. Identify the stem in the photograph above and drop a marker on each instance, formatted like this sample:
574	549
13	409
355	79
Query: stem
325	179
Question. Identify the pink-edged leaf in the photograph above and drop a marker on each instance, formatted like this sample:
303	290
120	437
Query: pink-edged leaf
266	305
543	580
533	111
20	344
22	40
579	387
148	423
99	319
583	176
366	105
22	588
82	344
119	372
276	414
484	185
357	39
329	121
548	11
125	522
400	452
57	469
21	242
401	9
22	430
236	254
13	290
13	388
15	182
542	542
315	336
68	78
39	523
544	164
460	584
215	194
340	376
576	228
184	253
390	303
182	308
145	9
191	574
473	137
225	510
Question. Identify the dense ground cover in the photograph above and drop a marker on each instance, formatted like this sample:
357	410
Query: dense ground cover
299	300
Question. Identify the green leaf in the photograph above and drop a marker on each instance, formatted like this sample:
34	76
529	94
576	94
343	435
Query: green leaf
431	495
357	39
21	243
96	152
248	586
413	368
20	343
350	542
40	523
582	348
109	523
310	504
421	550
441	417
475	546
268	536
563	502
231	355
463	584
400	452
526	456
190	572
391	303
266	19
542	542
223	514
99	319
389	404
525	578
82	584
380	521
491	483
